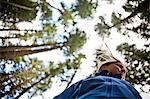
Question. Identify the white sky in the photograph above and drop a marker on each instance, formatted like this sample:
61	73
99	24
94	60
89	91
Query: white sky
89	48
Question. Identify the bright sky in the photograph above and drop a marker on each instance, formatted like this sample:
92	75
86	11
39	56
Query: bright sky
89	48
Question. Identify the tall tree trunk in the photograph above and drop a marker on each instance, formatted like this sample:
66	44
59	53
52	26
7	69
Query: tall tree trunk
3	29
13	54
16	5
28	47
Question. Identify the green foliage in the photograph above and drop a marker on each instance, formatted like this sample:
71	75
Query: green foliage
84	8
46	12
17	59
136	22
138	63
77	61
76	40
128	8
114	20
49	28
17	10
66	16
110	1
102	28
31	75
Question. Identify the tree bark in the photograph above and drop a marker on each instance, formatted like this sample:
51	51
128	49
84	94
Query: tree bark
13	54
20	30
17	5
27	47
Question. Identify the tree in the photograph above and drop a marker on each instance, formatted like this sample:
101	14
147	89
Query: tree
19	72
14	11
138	22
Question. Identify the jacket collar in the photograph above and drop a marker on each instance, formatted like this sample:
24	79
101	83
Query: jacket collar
107	73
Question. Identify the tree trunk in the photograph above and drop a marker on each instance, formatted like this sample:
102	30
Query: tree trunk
17	5
13	54
21	48
20	30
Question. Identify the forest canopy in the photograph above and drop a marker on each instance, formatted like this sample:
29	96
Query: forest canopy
20	73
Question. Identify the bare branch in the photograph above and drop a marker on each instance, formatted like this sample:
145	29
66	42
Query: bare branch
71	79
28	88
52	6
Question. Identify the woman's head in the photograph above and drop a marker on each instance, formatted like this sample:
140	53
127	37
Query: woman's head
114	66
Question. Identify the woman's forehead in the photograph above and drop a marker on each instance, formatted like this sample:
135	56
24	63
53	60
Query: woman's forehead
120	64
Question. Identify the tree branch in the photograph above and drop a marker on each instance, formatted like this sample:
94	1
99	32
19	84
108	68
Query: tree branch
52	6
28	88
141	7
71	79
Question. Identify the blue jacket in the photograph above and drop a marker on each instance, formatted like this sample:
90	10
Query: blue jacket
100	87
